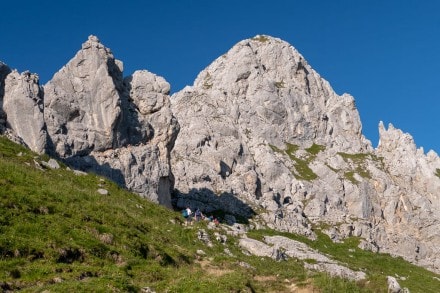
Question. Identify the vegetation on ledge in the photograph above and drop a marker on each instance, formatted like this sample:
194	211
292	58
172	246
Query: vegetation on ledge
59	234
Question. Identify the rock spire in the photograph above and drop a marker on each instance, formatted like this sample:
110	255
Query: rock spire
263	138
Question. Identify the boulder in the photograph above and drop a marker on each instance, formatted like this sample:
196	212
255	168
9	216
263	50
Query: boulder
23	108
393	285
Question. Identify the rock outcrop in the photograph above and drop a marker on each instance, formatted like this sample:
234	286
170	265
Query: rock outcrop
261	126
279	247
82	102
23	106
4	71
95	120
250	108
262	137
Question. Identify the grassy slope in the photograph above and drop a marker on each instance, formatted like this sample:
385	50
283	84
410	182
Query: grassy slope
58	233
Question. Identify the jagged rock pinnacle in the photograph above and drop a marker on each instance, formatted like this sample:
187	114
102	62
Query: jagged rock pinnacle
261	128
260	132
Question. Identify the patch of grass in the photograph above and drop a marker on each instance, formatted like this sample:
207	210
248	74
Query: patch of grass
275	149
315	149
377	266
358	162
280	84
437	172
331	284
207	84
291	148
350	177
261	38
303	171
357	158
331	168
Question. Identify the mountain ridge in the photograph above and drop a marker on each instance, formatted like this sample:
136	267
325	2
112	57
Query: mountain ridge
259	130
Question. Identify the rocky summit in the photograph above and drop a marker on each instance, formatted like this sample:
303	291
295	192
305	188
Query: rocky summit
94	119
259	135
262	132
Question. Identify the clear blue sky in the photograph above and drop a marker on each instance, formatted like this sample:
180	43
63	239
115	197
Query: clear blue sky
386	53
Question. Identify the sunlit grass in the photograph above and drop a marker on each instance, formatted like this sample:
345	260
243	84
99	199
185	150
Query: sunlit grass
58	234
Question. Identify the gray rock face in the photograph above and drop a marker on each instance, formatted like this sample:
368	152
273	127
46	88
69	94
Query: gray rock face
411	198
83	102
23	106
262	130
4	71
244	110
121	128
393	285
262	136
274	246
96	120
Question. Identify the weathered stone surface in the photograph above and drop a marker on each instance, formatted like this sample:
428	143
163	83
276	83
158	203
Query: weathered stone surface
82	102
52	164
261	126
411	199
23	106
256	247
102	191
139	168
301	251
278	246
261	132
96	120
121	128
241	115
393	285
4	71
152	107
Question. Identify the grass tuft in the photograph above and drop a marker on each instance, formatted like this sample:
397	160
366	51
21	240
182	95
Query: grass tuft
261	38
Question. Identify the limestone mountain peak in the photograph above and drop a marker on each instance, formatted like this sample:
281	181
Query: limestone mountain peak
262	136
92	118
259	124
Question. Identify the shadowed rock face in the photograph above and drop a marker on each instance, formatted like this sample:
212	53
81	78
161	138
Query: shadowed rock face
4	71
260	124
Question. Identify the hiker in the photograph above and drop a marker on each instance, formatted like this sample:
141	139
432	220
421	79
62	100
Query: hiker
198	215
187	214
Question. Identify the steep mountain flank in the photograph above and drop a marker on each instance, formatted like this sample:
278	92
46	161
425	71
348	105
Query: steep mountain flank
23	98
96	120
263	139
4	71
261	126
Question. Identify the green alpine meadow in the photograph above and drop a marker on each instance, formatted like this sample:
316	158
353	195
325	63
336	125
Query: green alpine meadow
59	234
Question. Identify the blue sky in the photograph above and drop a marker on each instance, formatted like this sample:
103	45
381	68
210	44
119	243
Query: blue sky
383	52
